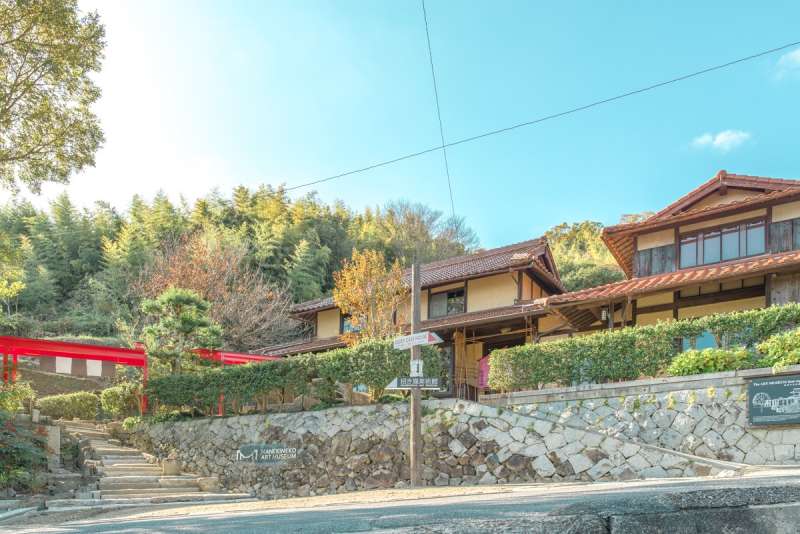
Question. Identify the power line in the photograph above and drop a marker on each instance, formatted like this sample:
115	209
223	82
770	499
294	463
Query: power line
545	118
438	111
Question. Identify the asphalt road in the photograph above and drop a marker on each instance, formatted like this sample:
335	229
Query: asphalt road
462	514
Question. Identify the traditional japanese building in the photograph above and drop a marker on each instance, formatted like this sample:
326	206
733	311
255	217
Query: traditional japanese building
731	244
476	303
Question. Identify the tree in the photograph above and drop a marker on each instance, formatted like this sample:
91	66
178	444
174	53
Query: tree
11	285
371	294
180	325
306	269
253	312
48	51
582	258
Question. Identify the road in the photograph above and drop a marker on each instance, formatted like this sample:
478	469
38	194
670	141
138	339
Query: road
523	508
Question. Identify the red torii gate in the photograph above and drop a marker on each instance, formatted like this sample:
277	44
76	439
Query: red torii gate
136	357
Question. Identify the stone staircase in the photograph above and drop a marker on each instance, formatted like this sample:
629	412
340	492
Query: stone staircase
120	475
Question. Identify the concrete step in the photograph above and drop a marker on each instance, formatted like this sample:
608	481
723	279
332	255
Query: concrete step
148	471
134	492
123	460
147	481
158	499
115	451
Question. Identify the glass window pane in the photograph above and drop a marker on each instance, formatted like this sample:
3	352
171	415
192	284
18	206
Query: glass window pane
711	250
688	252
730	243
438	305
455	302
780	236
755	238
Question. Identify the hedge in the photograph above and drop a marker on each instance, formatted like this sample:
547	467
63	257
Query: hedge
120	399
78	405
695	362
631	352
373	363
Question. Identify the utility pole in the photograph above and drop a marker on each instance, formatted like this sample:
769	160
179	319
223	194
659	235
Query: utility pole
415	412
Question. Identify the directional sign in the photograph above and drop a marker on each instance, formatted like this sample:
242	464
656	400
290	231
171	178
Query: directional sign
420	338
409	382
417	368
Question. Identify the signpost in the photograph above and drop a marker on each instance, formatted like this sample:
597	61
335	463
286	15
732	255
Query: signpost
774	400
416	381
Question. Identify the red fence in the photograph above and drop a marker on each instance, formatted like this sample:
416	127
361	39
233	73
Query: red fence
135	357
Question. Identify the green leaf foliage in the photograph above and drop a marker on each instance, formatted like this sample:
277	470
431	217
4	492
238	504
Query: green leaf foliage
49	54
781	350
119	400
78	405
373	363
695	362
22	456
13	396
632	352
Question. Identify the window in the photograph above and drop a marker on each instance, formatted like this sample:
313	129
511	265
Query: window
655	260
730	243
446	303
706	340
755	238
711	247
688	252
722	244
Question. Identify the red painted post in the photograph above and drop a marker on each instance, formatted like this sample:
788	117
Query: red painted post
13	367
5	368
144	385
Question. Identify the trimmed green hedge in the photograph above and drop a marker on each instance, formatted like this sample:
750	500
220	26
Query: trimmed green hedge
695	362
80	405
631	352
372	363
120	400
781	349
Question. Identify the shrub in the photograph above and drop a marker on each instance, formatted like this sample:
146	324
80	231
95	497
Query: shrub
119	400
12	396
129	423
695	362
22	456
781	350
372	363
78	405
632	352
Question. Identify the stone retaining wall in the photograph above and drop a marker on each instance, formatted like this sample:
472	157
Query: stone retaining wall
346	449
703	415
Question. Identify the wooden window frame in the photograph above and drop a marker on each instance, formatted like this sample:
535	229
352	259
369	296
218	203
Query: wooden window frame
431	293
698	235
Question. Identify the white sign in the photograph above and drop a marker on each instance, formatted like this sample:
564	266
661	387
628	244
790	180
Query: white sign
408	382
420	338
416	368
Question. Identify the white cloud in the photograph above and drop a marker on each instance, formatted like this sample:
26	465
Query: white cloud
723	141
789	63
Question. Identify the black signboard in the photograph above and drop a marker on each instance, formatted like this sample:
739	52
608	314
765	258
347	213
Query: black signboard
774	400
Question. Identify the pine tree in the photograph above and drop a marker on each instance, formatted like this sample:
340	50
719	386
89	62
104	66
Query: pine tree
306	270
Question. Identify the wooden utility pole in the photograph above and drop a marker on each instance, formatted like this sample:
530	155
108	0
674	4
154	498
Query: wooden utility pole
415	412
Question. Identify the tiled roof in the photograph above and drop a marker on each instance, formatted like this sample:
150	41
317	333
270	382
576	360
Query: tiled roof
300	347
533	253
479	317
620	238
720	271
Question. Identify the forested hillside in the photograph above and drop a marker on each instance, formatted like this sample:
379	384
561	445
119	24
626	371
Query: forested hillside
581	256
70	271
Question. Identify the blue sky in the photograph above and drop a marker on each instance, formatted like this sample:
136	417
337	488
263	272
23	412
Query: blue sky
201	94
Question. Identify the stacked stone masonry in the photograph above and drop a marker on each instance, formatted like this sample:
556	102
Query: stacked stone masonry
710	422
355	448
